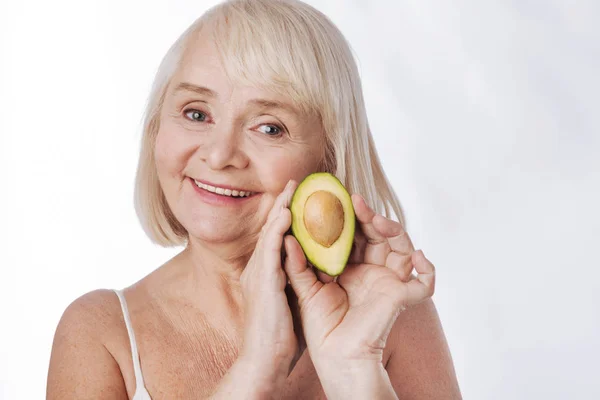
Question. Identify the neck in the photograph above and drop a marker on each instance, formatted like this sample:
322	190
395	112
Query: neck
223	261
213	270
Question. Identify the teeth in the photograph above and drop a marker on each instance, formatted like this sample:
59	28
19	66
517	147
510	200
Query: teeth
222	191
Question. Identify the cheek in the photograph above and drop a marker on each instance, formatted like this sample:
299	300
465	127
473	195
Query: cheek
276	171
162	149
171	151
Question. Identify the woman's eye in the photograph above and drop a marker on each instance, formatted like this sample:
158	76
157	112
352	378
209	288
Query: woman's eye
271	130
195	115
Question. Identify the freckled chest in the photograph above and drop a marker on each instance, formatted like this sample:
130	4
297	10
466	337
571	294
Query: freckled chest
187	361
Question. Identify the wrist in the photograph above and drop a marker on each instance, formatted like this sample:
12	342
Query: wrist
354	379
266	377
250	379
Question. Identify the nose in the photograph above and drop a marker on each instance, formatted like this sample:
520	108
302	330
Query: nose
225	149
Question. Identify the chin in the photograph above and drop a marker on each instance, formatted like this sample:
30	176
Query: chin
213	231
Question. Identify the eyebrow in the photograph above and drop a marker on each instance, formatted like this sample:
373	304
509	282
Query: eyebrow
185	86
201	90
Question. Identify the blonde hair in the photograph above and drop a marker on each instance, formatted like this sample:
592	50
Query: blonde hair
289	47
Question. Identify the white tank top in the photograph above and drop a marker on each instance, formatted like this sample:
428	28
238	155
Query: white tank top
140	390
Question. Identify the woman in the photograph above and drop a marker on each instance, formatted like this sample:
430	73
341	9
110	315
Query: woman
252	98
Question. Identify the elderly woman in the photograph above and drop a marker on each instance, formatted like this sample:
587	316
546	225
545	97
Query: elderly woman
252	98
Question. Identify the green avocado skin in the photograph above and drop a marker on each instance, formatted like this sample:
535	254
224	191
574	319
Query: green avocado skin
332	261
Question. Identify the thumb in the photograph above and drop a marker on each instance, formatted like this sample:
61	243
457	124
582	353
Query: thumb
302	278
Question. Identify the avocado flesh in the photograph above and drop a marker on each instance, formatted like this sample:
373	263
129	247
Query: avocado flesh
330	259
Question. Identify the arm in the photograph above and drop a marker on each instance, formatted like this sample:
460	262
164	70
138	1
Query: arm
80	365
420	365
366	380
245	380
352	319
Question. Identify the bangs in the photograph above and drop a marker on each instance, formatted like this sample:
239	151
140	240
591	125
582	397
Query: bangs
266	47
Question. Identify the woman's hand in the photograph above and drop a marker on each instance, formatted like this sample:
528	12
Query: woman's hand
349	320
270	343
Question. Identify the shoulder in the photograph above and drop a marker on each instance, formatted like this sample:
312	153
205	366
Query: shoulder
92	321
90	313
80	361
420	363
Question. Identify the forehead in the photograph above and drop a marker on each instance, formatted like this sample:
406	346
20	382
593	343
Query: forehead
224	68
200	56
201	65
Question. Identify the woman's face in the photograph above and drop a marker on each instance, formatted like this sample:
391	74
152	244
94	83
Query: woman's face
233	138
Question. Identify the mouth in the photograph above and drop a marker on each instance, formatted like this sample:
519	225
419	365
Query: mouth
236	193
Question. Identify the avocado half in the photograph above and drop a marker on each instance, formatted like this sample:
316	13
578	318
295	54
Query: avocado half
323	221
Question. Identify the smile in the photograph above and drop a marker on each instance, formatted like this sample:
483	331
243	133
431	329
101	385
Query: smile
223	191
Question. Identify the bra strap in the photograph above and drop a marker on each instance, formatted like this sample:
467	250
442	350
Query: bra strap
139	379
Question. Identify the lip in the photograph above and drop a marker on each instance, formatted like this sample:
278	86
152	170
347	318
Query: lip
218	199
222	186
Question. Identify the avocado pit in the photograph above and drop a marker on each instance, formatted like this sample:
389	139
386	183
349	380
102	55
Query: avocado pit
324	217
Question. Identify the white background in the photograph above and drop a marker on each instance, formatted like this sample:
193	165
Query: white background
486	116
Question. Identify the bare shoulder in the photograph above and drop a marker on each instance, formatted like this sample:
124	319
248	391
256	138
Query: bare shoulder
420	364
95	307
81	366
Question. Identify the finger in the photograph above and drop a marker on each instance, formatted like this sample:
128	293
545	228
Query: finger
395	234
401	264
423	286
365	216
267	266
283	200
323	277
269	246
302	278
399	258
374	245
272	239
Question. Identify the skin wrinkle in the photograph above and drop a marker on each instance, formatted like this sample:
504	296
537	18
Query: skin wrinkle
216	358
207	353
258	106
292	125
